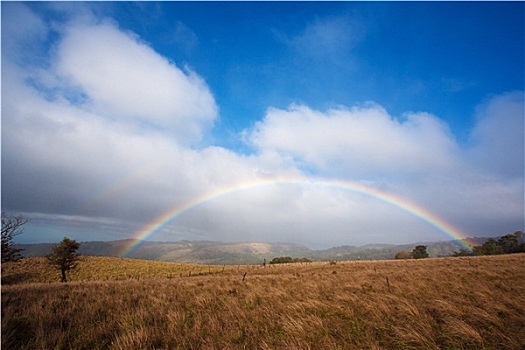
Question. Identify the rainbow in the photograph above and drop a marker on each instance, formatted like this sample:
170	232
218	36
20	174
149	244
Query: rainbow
153	226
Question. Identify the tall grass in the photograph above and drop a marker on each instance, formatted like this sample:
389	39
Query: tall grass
455	303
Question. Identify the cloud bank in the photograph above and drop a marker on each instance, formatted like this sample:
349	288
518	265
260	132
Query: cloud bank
105	131
357	142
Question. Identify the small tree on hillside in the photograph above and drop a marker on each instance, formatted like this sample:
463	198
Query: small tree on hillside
64	256
420	252
509	243
491	247
11	227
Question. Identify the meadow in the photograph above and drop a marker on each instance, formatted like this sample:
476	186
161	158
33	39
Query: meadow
112	303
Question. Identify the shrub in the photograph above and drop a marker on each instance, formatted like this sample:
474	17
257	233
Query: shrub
281	260
403	255
420	252
287	259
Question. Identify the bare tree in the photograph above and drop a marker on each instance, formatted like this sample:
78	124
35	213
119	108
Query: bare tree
11	227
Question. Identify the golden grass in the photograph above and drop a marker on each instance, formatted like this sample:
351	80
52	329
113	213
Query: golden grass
91	268
453	303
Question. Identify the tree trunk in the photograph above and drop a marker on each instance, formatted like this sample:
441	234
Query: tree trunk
64	275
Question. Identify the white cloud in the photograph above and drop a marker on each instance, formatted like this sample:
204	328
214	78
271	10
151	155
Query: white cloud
184	37
329	38
110	110
497	139
126	79
26	30
477	189
357	142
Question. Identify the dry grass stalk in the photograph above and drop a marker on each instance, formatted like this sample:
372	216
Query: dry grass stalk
430	304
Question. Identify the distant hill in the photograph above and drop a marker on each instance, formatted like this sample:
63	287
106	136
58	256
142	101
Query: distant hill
202	252
220	253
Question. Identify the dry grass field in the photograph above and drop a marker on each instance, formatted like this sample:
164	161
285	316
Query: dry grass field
448	303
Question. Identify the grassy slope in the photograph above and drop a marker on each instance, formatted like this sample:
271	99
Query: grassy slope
454	303
95	268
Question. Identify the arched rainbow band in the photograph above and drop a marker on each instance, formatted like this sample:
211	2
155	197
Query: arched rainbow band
152	227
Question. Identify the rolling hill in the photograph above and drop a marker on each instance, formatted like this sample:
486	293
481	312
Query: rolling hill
221	253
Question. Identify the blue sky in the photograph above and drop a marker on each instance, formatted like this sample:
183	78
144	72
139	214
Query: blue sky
400	55
116	112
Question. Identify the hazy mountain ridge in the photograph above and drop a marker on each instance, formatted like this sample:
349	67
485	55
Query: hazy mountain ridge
210	252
